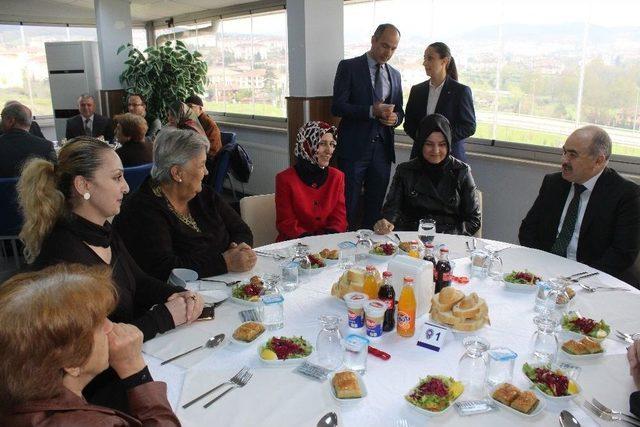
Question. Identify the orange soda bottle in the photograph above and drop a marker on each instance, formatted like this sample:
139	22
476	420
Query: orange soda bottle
370	282
406	324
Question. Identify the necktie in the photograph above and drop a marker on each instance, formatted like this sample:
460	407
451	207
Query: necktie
87	128
377	88
569	224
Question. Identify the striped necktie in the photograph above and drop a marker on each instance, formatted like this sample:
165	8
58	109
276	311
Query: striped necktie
87	128
569	224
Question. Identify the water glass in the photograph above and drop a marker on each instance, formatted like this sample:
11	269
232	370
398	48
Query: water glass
272	311
544	343
363	246
556	300
427	230
329	351
473	367
271	283
493	266
347	255
356	348
478	260
501	361
289	281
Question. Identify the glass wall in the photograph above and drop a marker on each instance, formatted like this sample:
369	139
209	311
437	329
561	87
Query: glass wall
537	69
247	59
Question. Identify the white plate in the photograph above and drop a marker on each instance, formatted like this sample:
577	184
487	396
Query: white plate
520	287
244	343
351	401
214	296
381	258
426	411
278	362
245	302
547	396
570	335
580	335
313	271
535	412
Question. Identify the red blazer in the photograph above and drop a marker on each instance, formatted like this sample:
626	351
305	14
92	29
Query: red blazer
301	209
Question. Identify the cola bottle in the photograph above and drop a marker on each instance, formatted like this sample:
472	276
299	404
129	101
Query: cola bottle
388	295
443	270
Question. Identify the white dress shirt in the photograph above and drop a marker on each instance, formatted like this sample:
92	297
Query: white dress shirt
434	95
572	249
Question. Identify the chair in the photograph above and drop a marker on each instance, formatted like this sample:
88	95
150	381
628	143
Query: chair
135	175
221	163
478	233
259	212
10	217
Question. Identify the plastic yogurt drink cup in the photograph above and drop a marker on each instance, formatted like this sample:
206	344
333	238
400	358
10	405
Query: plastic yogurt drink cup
374	312
355	304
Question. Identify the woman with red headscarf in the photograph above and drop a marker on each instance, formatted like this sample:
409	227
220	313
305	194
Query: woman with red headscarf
310	194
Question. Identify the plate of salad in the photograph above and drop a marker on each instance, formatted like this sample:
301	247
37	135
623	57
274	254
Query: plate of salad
281	351
550	382
316	264
383	251
521	280
573	322
248	293
435	394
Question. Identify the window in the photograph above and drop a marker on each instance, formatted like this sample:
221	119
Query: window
23	75
247	59
139	38
536	75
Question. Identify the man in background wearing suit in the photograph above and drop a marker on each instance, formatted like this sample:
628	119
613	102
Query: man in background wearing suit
17	144
367	95
587	212
88	122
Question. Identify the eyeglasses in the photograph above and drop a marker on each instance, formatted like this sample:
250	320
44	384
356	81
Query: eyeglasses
135	105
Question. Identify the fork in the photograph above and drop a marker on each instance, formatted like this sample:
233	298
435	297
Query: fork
233	380
235	282
577	279
630	338
270	255
402	423
605	415
613	412
599	288
237	384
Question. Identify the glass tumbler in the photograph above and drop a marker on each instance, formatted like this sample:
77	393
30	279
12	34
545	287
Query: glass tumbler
427	230
544	343
473	367
493	266
329	351
363	246
557	301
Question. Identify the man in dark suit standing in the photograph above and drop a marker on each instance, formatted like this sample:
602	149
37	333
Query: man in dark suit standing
587	212
88	122
367	95
17	144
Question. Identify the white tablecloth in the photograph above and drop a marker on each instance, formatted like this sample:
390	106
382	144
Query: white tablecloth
280	397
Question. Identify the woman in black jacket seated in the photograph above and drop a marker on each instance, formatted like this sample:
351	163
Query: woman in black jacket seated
66	209
173	220
433	185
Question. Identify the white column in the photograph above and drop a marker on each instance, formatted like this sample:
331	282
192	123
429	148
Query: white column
113	22
316	45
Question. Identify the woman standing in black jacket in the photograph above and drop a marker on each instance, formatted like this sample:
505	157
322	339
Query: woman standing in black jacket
433	185
441	94
66	210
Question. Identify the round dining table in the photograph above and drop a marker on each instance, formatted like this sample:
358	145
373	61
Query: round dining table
279	396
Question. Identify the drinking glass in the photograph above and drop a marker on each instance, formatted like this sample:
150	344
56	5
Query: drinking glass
557	300
356	348
301	256
544	343
347	255
473	366
363	246
289	271
329	350
427	230
271	283
493	266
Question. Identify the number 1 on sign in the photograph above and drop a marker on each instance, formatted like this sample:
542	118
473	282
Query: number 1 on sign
432	336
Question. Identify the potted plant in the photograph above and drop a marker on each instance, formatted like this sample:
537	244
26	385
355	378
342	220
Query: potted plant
163	74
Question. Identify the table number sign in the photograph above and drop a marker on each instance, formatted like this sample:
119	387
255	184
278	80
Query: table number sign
432	336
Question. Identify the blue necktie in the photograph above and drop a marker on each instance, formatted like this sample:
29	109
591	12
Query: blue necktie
377	88
568	226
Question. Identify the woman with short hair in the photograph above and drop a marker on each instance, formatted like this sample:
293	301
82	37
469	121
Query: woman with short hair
173	220
433	185
55	337
66	209
130	132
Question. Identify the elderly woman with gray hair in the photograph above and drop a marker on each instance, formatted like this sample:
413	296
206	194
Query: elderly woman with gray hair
173	220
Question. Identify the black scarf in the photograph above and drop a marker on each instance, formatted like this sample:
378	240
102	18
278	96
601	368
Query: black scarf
88	232
435	172
312	175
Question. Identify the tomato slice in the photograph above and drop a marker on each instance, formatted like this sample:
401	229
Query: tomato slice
463	280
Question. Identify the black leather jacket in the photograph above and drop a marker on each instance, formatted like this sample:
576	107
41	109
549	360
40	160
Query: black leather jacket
453	204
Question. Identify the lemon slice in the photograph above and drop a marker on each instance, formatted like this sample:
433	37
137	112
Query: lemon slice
268	354
573	388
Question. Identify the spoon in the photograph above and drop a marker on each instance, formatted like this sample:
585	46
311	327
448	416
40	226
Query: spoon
328	420
567	419
210	343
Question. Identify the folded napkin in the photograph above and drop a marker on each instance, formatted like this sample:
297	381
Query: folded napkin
273	397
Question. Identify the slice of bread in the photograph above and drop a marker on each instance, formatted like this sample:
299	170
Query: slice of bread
446	298
470	307
506	393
